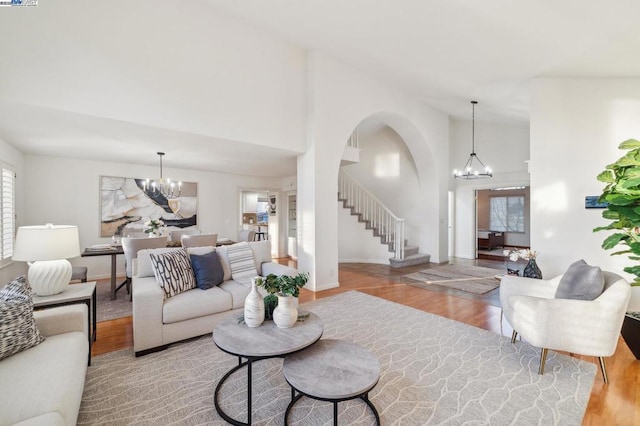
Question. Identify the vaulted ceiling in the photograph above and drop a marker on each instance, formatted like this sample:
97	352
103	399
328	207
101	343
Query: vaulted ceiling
442	52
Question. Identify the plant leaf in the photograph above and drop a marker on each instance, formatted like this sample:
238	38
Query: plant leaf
629	144
612	240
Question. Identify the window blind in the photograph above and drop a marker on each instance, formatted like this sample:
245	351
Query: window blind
8	217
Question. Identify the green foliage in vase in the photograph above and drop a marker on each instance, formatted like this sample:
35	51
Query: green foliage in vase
270	303
622	195
284	285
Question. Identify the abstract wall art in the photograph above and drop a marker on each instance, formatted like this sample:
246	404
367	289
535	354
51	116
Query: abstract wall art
125	205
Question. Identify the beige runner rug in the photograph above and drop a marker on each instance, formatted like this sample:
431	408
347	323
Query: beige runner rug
472	279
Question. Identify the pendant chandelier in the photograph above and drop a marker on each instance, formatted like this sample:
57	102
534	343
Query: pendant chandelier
471	170
165	187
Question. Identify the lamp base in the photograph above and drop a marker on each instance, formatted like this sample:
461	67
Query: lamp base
48	277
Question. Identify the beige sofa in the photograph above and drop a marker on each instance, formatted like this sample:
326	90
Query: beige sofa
43	385
158	322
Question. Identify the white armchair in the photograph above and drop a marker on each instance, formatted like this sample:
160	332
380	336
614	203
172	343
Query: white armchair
586	327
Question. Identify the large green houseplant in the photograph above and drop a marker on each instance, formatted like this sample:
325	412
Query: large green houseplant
622	196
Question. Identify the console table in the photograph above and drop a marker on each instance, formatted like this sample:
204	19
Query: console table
488	240
109	251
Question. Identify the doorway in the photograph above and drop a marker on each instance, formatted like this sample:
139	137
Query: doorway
503	220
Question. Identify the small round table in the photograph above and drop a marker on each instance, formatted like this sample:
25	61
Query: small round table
234	337
334	371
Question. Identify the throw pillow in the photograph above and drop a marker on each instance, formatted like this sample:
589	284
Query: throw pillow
207	270
581	282
261	253
243	267
224	259
173	272
145	266
18	329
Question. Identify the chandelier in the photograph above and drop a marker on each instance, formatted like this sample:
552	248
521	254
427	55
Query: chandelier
165	187
470	170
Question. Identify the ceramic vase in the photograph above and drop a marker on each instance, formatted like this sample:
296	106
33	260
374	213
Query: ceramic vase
532	270
253	307
285	314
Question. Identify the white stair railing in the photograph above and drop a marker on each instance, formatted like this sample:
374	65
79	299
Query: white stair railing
372	210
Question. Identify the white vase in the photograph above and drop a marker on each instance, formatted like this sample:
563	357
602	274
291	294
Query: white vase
253	307
285	314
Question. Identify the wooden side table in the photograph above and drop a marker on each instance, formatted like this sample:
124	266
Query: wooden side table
74	293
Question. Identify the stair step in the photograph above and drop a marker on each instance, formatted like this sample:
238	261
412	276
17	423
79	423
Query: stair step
411	250
414	259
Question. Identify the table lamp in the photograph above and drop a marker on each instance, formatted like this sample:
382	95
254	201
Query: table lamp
46	248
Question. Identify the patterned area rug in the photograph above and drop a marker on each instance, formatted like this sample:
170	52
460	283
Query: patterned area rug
107	309
472	279
434	371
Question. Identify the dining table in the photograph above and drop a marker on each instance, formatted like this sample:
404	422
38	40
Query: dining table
112	251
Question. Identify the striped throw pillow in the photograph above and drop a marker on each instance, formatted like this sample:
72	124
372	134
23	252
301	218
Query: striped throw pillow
173	272
18	330
243	267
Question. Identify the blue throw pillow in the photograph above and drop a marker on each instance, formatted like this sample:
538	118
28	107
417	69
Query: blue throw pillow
207	270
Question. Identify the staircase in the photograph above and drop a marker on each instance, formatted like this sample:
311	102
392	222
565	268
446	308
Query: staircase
376	216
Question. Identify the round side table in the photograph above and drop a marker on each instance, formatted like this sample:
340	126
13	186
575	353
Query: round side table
234	337
334	371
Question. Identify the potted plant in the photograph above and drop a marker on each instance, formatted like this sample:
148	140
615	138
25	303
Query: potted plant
622	198
280	303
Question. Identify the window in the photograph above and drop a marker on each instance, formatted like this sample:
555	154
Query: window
507	214
8	217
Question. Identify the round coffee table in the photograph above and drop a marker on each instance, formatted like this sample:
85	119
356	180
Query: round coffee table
334	371
234	337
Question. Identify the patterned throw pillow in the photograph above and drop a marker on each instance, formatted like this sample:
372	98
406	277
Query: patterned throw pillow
243	267
173	272
18	330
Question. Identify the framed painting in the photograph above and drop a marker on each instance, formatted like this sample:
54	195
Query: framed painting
591	202
126	204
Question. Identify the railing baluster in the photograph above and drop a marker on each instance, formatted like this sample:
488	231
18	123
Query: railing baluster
390	227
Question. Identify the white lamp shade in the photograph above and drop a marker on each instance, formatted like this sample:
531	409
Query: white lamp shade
46	242
48	247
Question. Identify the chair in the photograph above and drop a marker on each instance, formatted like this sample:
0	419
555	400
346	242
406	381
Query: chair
79	273
246	235
586	327
199	240
177	234
131	246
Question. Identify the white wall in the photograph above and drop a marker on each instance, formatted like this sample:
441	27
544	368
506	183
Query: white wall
338	99
163	64
14	158
576	127
504	148
66	191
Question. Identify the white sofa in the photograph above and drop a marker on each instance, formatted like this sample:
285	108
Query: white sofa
158	322
43	385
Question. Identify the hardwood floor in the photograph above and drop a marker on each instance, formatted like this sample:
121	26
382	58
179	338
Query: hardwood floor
617	403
